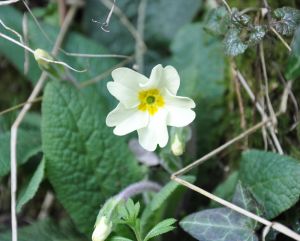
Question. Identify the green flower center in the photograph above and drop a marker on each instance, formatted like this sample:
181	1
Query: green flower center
150	99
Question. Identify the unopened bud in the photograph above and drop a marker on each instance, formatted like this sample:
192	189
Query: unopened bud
40	55
177	146
102	229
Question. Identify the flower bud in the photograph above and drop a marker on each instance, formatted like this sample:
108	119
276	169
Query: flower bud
102	229
40	55
177	146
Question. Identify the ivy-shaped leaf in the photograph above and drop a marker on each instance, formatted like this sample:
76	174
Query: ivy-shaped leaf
287	20
219	224
224	224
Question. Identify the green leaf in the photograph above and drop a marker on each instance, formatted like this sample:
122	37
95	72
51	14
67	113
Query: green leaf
29	144
287	20
293	66
163	26
217	21
46	230
84	158
33	186
199	58
219	224
226	189
164	226
233	43
273	179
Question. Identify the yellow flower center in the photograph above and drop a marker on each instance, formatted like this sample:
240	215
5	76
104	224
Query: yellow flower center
150	100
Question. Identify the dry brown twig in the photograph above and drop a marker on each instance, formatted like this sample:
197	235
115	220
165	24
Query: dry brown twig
260	110
14	128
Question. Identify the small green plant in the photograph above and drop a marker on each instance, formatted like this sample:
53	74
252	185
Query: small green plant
128	213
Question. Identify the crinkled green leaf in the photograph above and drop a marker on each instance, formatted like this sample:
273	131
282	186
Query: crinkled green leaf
233	43
219	224
287	20
32	187
273	179
29	144
86	163
162	227
217	21
256	35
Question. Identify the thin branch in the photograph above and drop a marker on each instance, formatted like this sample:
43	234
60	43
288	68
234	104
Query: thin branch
222	147
105	74
38	99
125	21
37	22
277	226
227	6
26	42
83	55
14	128
39	56
266	88
281	39
260	110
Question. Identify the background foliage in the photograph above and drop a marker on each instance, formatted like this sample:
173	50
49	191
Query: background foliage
65	150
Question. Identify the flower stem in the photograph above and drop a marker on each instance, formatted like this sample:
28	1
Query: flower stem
138	188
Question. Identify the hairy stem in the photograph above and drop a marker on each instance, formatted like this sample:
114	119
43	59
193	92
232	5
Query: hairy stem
138	188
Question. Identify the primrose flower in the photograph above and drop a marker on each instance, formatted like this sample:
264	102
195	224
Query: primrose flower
148	105
102	229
